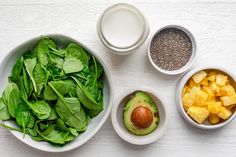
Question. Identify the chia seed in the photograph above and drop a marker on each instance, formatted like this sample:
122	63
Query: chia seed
171	49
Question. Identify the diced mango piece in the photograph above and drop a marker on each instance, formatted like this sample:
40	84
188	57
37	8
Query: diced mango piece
199	114
213	118
187	101
210	93
212	76
214	107
215	88
227	90
205	82
224	113
200	98
228	100
193	84
221	79
198	77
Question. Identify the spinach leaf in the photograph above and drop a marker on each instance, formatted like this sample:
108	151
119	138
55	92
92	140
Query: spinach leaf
41	109
17	69
11	97
10	128
75	115
53	115
55	136
33	132
42	48
70	111
54	71
85	97
28	85
56	61
63	87
76	51
24	117
30	66
41	77
62	126
58	52
4	114
72	65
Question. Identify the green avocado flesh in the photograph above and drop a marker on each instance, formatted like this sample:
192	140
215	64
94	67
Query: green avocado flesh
140	99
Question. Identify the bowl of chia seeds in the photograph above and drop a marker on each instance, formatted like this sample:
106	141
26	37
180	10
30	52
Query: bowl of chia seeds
172	50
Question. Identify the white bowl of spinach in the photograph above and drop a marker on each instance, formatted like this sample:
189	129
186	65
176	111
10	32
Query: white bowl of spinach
55	93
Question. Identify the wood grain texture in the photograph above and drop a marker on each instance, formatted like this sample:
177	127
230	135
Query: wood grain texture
214	26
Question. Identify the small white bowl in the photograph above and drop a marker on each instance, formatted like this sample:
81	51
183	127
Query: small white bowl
117	118
180	86
190	62
95	124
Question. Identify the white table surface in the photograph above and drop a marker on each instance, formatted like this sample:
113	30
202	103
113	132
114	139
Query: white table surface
213	23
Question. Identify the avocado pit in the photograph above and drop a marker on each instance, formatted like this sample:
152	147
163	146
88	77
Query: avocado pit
141	117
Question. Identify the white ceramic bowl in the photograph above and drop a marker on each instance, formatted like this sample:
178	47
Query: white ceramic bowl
180	86
117	118
190	62
95	124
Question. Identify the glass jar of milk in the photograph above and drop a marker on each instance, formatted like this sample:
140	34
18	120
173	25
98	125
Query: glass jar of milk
122	28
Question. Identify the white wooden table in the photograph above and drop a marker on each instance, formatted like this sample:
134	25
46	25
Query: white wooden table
213	23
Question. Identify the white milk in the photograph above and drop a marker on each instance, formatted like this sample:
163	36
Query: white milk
122	27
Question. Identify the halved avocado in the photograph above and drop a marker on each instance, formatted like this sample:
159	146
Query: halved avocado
141	114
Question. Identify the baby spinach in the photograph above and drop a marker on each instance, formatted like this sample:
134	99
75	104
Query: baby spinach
41	109
56	60
76	51
72	65
53	92
41	77
70	111
29	66
53	115
63	87
17	69
85	97
24	117
4	114
42	48
11	97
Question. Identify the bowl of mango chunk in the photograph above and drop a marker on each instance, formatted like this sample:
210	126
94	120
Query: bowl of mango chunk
206	97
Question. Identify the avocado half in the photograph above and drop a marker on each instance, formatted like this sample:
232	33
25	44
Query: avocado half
142	101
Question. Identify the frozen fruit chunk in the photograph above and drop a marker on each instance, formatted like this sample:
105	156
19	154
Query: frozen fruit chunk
214	107
228	100
198	77
221	79
213	118
224	113
227	90
210	93
199	114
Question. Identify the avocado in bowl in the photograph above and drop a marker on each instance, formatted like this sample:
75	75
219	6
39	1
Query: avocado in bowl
141	114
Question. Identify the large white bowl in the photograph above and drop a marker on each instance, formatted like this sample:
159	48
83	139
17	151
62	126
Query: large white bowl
180	86
95	124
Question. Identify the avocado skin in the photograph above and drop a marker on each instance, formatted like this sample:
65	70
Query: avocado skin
140	98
